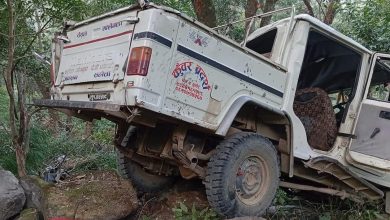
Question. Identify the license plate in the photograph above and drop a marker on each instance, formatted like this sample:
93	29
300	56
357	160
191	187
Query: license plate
99	96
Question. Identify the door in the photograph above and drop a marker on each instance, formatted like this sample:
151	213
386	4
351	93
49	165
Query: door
372	143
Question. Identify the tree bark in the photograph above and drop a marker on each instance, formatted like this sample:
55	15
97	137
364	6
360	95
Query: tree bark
331	11
250	11
23	135
88	130
205	12
44	89
309	8
18	137
268	6
328	14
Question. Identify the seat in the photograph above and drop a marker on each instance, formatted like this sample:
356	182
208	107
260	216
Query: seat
314	108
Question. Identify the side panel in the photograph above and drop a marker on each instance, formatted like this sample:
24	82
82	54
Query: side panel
208	74
157	30
371	147
372	130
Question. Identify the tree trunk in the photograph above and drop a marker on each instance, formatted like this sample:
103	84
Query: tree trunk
331	11
205	12
88	130
68	124
44	89
328	15
250	11
310	10
21	160
268	6
19	141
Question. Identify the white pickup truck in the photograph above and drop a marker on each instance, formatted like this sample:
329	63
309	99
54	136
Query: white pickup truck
297	105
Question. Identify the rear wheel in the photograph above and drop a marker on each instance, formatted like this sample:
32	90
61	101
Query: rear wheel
242	176
142	180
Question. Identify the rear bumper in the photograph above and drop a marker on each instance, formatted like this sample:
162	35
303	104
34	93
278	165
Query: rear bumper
76	105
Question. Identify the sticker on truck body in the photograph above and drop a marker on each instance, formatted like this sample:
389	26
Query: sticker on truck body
198	39
192	80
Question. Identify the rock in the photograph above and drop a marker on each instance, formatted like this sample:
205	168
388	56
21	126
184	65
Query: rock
97	195
34	190
29	214
12	196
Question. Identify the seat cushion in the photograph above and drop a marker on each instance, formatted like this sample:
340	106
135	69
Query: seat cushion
314	108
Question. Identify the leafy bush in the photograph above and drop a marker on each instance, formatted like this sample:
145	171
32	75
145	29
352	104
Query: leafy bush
182	212
46	144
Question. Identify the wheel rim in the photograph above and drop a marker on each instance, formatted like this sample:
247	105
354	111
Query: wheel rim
251	183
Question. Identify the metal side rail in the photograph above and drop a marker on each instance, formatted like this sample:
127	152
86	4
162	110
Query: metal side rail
86	110
76	105
324	165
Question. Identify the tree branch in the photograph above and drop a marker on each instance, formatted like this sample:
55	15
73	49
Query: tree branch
309	7
330	13
321	10
31	42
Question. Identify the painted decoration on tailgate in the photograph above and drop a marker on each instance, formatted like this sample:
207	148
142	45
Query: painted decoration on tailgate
191	80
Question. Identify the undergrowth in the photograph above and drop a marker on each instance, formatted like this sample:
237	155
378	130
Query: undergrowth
182	212
48	142
311	205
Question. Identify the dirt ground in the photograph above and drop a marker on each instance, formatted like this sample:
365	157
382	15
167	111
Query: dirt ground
92	195
160	207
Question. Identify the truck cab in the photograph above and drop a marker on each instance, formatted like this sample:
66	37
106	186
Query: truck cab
296	99
356	82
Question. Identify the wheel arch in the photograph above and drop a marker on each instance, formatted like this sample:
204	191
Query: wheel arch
239	105
269	122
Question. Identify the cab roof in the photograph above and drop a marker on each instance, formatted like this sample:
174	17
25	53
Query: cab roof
328	29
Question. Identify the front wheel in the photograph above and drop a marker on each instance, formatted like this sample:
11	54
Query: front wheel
242	176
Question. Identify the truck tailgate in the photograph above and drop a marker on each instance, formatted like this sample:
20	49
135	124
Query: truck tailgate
97	51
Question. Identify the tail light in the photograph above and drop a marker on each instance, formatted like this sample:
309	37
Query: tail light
139	61
52	74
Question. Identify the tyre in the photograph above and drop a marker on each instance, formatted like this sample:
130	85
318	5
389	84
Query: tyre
242	176
142	180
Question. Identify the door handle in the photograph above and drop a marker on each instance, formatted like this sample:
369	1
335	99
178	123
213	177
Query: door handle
384	115
375	132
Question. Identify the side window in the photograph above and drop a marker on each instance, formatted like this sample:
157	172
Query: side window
264	43
380	83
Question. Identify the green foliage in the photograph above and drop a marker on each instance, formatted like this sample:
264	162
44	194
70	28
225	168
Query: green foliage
44	147
103	131
96	151
281	198
182	212
144	217
367	21
180	5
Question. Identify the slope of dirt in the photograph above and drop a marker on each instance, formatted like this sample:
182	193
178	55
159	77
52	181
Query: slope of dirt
94	195
160	207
